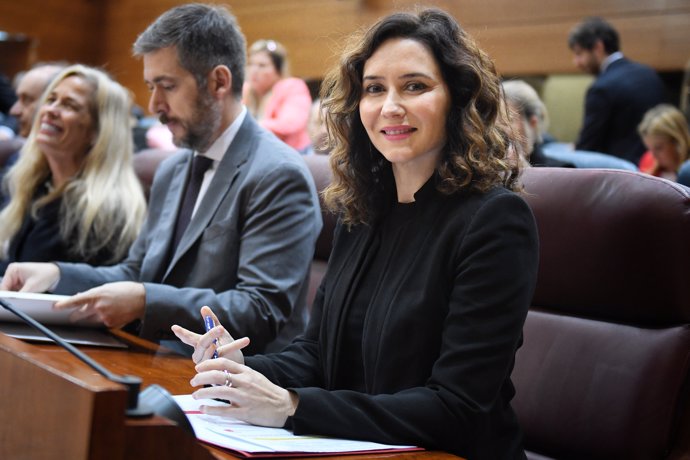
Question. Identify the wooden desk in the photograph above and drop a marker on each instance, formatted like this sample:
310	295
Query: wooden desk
54	406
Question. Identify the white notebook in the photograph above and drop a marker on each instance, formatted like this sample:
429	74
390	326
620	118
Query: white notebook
40	308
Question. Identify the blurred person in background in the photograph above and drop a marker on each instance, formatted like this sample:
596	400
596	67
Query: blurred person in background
529	120
280	103
620	95
30	87
664	131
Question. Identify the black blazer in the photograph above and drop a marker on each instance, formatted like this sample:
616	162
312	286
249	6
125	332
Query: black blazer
615	105
439	347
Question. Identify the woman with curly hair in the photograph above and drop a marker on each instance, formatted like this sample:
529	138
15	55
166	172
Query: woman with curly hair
414	330
73	193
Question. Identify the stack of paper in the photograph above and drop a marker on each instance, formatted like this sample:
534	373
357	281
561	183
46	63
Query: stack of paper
257	441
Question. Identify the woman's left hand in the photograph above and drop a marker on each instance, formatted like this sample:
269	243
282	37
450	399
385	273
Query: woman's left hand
253	398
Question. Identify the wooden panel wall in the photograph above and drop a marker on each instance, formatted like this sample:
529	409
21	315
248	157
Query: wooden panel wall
59	29
524	37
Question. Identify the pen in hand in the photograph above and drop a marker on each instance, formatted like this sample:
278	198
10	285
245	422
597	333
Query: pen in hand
208	322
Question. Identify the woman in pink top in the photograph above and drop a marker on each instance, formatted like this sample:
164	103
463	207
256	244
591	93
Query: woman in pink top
280	104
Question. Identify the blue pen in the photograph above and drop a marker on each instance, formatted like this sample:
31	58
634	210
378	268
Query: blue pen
208	322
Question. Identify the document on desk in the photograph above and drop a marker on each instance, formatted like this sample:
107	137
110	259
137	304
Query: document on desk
257	441
40	308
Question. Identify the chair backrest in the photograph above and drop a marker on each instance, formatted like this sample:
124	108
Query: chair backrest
320	168
146	163
605	365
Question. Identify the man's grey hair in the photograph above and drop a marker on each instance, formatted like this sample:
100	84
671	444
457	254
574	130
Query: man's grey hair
204	36
526	100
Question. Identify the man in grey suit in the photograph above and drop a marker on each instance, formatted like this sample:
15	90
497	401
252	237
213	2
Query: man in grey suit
247	247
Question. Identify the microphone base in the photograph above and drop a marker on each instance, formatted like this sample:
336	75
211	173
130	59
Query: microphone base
158	401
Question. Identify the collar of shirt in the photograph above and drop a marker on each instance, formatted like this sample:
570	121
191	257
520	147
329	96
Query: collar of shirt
611	58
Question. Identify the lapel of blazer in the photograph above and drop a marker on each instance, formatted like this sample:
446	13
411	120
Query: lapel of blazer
228	169
347	279
158	251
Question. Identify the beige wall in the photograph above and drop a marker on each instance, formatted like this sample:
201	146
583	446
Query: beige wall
563	96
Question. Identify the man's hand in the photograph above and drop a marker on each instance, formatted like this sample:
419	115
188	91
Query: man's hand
113	304
30	277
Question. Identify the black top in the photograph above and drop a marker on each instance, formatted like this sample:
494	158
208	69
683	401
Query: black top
436	319
386	242
39	240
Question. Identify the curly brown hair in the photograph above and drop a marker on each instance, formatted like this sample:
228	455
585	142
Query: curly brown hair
475	156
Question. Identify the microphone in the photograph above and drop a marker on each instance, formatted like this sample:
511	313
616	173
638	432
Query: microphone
138	405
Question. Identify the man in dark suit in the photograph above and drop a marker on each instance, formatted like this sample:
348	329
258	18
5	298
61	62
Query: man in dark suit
247	247
622	92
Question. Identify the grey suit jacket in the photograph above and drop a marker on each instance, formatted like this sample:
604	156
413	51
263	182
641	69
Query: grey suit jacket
246	253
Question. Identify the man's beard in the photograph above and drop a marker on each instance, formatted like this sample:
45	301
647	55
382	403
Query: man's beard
202	125
594	67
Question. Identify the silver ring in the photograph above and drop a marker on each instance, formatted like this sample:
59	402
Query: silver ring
228	382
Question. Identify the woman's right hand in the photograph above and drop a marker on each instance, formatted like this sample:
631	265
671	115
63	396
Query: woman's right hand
216	339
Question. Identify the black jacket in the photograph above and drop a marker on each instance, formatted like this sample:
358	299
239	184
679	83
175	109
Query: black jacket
439	346
615	105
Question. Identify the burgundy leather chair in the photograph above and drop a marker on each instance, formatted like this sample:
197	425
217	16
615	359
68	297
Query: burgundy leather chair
604	369
320	168
146	163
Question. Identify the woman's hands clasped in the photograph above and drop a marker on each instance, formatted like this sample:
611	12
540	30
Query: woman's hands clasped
253	398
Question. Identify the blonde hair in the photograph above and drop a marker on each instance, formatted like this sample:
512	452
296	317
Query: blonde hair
103	205
666	120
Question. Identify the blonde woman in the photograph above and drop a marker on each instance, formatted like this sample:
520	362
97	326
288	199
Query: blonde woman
279	103
73	192
664	131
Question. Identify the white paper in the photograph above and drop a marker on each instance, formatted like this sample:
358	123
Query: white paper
40	308
250	439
